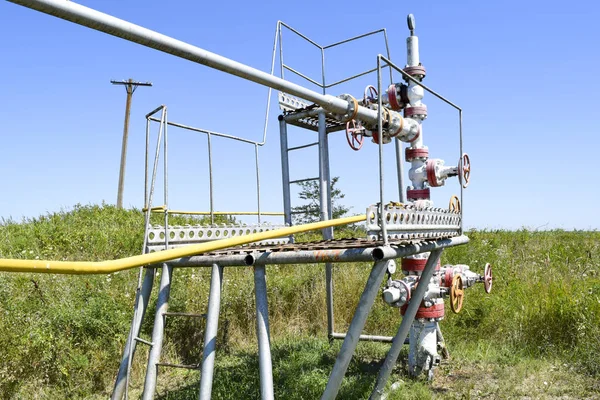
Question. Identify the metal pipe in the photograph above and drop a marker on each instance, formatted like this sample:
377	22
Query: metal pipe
356	326
141	305
181	212
407	320
162	306
304	146
146	163
366	338
262	334
114	26
285	171
353	38
400	171
301	75
300	34
210	332
109	266
257	183
296	116
210	182
382	220
206	131
361	254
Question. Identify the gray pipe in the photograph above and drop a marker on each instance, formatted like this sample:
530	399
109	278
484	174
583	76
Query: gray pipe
90	18
210	332
265	365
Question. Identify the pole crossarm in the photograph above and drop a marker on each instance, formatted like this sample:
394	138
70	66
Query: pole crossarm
110	266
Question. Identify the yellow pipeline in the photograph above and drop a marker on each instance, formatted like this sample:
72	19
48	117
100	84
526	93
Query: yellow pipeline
109	266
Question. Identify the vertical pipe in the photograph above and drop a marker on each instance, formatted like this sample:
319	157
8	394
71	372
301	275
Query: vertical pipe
285	171
460	129
141	304
162	305
266	124
363	308
210	181
400	170
326	213
323	70
262	334
129	88
280	50
389	56
382	221
407	320
166	179
146	163
210	333
257	181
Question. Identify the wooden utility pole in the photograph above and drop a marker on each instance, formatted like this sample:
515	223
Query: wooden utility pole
130	86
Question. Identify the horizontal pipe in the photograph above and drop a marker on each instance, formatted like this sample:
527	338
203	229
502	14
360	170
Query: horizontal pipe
390	252
109	266
93	19
160	209
206	131
368	338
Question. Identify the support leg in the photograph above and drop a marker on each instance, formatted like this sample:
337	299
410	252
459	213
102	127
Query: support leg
358	322
262	334
329	298
407	320
141	304
162	306
210	333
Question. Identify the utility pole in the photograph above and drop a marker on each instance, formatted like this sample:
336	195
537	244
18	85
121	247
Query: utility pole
130	86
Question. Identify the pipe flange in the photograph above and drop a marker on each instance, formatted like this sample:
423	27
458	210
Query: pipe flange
410	153
416	265
352	108
395	103
435	311
417	71
416	111
431	173
418	194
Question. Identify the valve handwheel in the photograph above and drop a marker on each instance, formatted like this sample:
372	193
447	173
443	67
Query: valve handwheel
487	278
354	134
370	95
457	294
464	170
454	205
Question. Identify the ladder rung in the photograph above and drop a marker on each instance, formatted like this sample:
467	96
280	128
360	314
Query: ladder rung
303	146
183	314
137	339
192	366
304	180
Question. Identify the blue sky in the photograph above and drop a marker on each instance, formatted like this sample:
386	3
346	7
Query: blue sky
525	74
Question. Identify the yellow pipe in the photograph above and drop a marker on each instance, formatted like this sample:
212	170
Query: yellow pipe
110	266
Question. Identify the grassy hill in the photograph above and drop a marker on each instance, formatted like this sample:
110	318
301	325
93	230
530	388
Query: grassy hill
537	335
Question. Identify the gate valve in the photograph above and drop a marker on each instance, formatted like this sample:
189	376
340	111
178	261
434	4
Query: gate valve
437	173
457	294
396	96
464	170
355	134
487	278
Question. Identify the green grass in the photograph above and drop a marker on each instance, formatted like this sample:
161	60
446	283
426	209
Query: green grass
537	335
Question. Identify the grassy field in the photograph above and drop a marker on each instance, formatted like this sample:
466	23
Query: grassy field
536	336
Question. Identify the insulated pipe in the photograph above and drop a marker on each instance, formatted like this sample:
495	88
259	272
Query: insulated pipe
110	266
90	18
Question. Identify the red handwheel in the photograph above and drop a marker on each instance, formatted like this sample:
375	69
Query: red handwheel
487	278
370	95
354	134
464	170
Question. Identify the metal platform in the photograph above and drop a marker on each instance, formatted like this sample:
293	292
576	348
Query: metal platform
299	113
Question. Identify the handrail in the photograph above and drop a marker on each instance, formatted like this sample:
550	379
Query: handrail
110	266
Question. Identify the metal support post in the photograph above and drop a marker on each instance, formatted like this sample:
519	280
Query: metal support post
407	320
210	332
363	308
285	171
326	213
262	333
162	306
141	304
